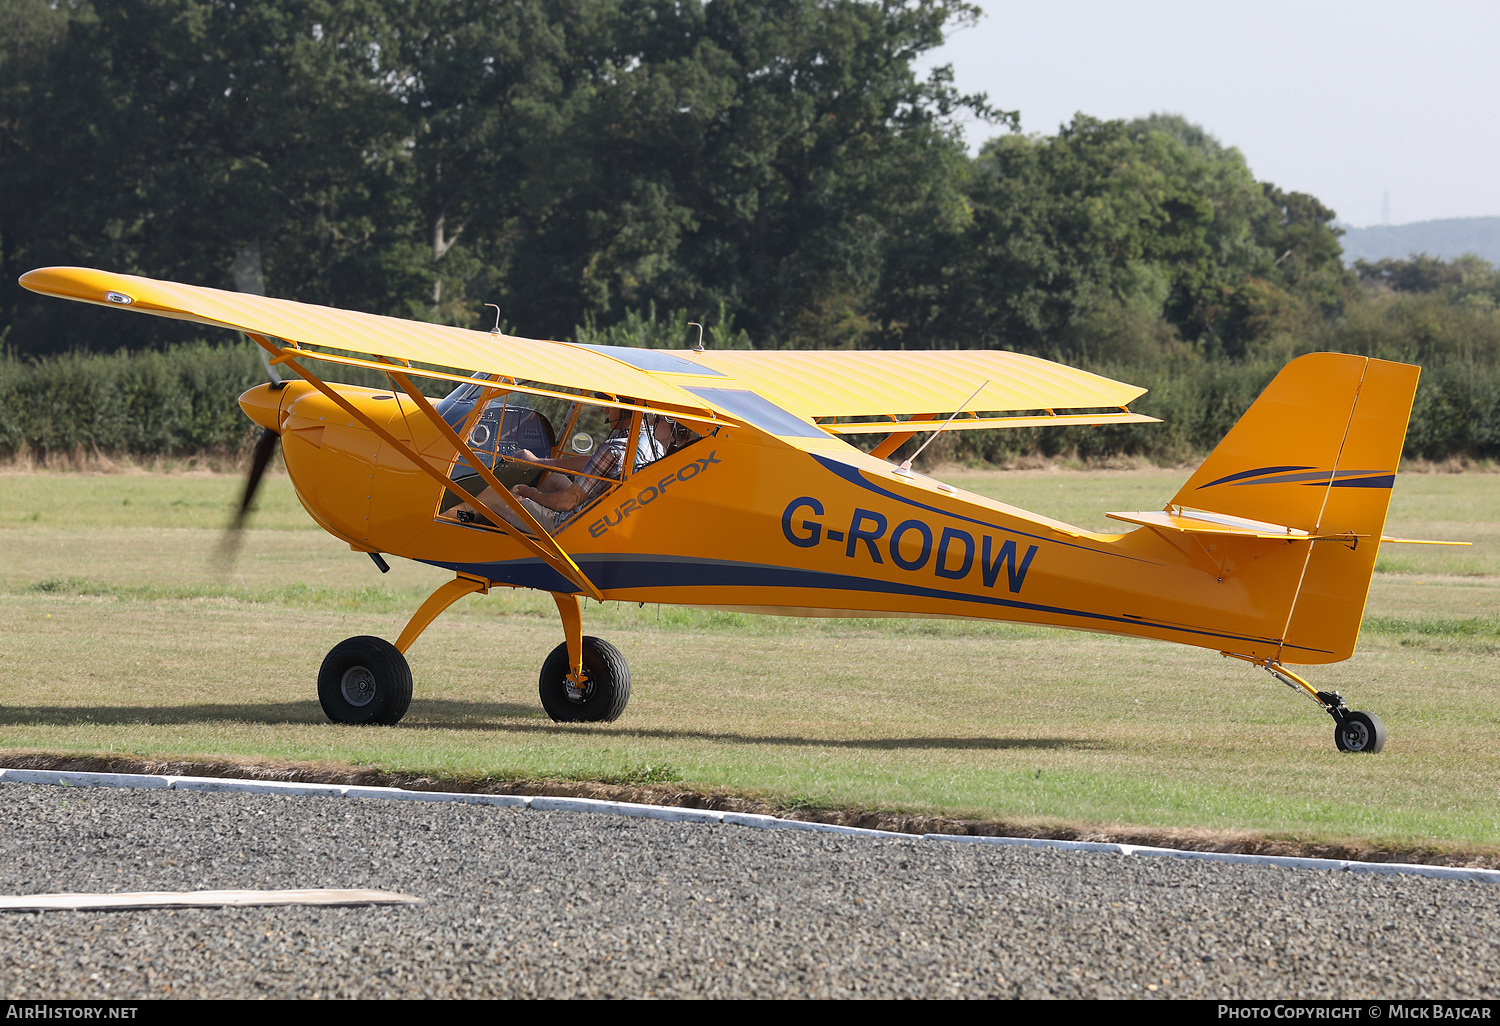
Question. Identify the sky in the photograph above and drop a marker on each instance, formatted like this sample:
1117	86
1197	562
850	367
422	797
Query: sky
1351	102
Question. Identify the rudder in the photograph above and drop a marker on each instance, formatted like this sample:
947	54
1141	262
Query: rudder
1317	451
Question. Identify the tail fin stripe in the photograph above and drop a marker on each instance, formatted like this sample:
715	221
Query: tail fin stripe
1250	473
1386	481
1317	478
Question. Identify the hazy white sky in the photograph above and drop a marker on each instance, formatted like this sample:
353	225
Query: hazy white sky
1347	101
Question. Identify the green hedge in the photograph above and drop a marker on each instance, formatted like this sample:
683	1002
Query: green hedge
177	402
182	402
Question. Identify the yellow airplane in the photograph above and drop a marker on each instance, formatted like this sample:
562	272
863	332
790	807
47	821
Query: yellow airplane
726	480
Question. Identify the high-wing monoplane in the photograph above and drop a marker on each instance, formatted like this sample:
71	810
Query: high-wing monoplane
728	480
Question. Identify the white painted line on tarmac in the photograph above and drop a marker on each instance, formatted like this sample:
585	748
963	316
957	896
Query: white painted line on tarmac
199	899
674	814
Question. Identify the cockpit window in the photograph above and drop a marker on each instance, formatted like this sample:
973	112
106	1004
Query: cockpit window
564	462
496	432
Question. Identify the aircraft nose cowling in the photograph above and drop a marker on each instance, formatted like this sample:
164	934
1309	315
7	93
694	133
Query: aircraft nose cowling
262	404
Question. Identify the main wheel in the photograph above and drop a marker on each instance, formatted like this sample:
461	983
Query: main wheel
365	680
1360	732
605	690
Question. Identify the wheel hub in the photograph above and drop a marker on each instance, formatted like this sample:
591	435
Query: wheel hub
1356	735
358	686
578	691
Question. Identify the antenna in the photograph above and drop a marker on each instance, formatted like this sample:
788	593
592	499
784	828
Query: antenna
496	329
695	324
905	469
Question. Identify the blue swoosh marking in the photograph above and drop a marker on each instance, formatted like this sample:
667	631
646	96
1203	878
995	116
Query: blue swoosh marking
1316	479
1250	473
643	572
1386	481
853	476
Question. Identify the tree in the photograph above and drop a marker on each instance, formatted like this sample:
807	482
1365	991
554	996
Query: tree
1110	239
30	31
755	156
564	159
172	133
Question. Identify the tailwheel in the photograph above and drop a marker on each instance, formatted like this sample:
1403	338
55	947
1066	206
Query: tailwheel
365	680
1359	732
599	697
1353	731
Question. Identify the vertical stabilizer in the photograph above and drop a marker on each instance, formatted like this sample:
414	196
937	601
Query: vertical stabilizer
1331	601
1317	451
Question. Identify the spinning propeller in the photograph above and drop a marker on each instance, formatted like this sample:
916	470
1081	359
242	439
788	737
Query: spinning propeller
265	448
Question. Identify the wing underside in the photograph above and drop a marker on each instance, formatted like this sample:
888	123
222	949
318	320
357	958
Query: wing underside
325	333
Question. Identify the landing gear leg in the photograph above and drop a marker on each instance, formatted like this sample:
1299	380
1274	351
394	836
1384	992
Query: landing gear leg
435	604
368	680
1354	730
584	680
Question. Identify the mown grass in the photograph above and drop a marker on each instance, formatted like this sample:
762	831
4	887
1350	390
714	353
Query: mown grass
119	632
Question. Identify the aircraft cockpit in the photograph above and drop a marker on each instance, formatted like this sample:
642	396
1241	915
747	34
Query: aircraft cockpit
500	425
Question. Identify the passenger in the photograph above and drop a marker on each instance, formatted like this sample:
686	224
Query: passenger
559	497
656	436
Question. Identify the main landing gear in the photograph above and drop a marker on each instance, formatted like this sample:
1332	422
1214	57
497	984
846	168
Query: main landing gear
367	680
584	680
1353	730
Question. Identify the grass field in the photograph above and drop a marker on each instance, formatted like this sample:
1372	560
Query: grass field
120	634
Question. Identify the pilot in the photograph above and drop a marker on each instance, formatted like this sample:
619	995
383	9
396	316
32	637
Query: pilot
559	496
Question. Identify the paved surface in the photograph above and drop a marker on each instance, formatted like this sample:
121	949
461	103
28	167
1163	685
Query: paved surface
527	903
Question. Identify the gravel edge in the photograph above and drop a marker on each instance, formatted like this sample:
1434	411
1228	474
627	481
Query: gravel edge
546	803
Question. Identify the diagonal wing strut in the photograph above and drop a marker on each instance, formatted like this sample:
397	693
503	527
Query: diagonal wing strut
541	543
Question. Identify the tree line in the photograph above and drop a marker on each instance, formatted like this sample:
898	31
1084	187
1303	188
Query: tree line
745	159
778	166
607	170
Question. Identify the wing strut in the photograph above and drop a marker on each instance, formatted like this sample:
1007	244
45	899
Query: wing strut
543	544
543	539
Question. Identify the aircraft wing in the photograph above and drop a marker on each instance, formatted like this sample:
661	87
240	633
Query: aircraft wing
346	331
841	383
809	385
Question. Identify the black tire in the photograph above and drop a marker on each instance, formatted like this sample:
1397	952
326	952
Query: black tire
1360	732
365	680
605	693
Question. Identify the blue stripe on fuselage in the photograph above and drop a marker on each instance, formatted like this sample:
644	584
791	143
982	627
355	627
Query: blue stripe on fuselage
627	573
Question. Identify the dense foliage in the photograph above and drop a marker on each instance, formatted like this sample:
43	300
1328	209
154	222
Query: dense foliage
564	159
609	170
1113	240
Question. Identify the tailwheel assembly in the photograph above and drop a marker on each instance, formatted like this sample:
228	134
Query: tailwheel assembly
1354	730
365	680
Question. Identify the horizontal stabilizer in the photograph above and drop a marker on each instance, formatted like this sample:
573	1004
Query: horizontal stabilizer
1198	521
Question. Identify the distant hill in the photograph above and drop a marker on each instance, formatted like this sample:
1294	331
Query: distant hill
1448	238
